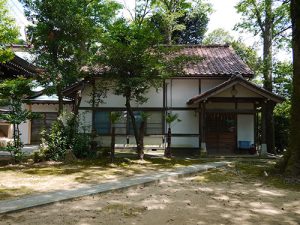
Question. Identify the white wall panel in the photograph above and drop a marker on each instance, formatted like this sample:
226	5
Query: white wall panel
207	84
185	142
85	121
189	122
245	124
181	90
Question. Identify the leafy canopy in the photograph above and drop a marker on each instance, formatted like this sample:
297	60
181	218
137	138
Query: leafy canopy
255	15
8	33
135	59
63	32
181	22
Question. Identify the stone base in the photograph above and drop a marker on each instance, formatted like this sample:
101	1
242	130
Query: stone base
203	150
263	151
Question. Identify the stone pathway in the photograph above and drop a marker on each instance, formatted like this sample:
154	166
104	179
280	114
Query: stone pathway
52	197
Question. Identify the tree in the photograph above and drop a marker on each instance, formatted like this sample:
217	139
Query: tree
170	118
193	22
283	72
269	19
218	37
292	157
12	93
135	62
62	35
8	33
168	13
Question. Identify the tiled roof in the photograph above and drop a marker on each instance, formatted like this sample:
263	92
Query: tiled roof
217	60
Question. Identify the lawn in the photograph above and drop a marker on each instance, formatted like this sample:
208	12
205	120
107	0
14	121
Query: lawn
28	178
248	191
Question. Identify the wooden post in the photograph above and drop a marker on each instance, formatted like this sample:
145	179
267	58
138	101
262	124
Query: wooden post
203	150
263	150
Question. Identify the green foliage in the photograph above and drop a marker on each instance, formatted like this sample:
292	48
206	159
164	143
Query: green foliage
115	117
190	23
64	135
218	37
282	82
255	13
54	144
283	86
12	94
171	118
8	33
62	35
282	125
168	13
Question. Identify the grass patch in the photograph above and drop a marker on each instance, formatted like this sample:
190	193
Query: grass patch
246	171
8	193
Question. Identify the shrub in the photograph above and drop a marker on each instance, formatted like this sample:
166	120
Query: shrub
54	145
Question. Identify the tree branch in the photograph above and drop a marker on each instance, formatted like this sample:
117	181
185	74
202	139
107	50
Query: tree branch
258	16
282	31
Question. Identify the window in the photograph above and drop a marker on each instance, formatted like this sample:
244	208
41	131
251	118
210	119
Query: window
102	122
154	123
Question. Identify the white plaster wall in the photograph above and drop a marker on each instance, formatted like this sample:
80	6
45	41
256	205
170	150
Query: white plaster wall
189	123
180	91
24	129
245	125
86	96
207	84
85	121
185	142
155	98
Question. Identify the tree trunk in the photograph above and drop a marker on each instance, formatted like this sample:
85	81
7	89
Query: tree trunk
293	153
141	138
112	144
168	153
77	103
60	99
267	73
135	129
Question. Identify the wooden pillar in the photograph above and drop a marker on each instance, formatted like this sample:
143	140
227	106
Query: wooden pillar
203	150
263	150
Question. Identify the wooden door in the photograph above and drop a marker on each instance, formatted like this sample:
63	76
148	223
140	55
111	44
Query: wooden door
220	133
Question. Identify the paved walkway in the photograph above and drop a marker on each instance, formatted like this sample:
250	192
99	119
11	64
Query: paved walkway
52	197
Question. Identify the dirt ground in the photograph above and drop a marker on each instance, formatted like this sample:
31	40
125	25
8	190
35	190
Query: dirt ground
193	200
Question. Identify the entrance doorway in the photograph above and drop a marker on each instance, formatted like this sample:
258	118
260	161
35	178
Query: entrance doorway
220	133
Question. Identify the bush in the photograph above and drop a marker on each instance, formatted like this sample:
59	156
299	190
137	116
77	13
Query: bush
54	145
64	135
81	145
281	125
38	157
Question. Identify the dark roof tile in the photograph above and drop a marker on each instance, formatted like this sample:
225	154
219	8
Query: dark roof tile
217	60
